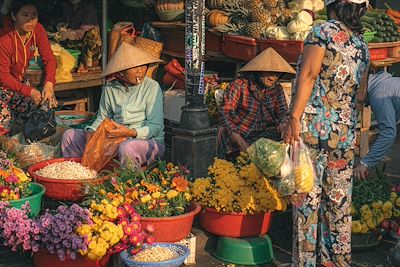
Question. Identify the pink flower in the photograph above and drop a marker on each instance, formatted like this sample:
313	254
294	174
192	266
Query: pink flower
11	179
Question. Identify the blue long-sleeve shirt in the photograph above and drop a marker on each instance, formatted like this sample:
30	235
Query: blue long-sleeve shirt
139	107
384	97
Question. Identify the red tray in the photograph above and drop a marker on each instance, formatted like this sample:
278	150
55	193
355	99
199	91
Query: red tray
378	53
213	42
289	50
239	47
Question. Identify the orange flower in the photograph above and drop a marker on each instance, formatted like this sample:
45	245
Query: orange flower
156	171
179	183
134	194
170	166
4	173
164	182
151	188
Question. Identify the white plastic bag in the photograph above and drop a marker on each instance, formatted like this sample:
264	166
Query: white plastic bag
304	172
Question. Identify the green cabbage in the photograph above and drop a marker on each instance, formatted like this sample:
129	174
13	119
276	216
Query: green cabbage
268	156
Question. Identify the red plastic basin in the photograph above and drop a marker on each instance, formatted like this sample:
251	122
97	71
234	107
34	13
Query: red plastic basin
234	224
43	258
174	228
58	189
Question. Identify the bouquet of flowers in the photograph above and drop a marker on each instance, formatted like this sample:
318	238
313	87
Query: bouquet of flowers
107	227
160	190
237	187
116	226
14	183
16	229
53	232
213	96
58	231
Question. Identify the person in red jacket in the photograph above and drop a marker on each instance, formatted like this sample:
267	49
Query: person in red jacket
21	39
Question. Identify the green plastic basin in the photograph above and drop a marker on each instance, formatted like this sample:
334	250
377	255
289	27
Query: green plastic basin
245	251
75	53
35	200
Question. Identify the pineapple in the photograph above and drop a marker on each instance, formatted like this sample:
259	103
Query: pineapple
232	28
269	11
256	29
259	14
239	17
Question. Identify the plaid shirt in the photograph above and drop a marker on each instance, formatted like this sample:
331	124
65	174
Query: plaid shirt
252	117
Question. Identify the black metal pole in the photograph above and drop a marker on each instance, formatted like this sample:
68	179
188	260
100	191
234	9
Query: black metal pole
195	113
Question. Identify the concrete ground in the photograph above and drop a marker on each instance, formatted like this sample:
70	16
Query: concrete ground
280	234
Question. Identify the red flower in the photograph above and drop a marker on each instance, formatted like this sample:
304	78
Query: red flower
135	217
337	164
123	221
129	229
149	240
11	179
340	37
136	226
128	208
121	212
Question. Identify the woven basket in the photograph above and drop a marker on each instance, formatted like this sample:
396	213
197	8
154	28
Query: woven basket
35	77
153	48
113	40
172	15
115	36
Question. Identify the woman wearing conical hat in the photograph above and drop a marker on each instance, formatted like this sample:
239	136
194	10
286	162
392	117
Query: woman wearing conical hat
254	105
131	99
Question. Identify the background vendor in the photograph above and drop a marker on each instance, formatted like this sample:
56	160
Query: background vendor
80	30
22	38
132	100
384	98
254	105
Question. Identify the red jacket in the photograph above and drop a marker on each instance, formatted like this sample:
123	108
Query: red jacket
14	57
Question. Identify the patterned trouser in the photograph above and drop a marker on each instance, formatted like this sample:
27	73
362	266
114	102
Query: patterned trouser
322	224
141	151
13	106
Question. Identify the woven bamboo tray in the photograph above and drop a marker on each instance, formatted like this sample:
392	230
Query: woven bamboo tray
383	45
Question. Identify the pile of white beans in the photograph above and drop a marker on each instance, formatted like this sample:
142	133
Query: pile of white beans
155	254
67	170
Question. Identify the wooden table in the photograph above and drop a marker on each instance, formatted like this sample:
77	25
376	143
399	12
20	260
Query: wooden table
81	81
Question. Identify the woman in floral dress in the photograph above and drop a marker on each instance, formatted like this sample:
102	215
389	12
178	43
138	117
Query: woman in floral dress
333	68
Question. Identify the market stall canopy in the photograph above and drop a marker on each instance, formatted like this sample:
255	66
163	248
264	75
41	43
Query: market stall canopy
128	56
269	60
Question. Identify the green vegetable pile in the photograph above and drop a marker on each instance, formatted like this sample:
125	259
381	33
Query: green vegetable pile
380	22
375	188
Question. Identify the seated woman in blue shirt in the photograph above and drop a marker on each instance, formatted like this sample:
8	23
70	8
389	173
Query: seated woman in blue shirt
133	100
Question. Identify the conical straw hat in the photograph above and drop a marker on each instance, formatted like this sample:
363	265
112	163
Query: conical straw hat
128	56
268	60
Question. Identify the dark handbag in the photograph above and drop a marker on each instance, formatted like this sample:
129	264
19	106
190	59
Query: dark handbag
41	123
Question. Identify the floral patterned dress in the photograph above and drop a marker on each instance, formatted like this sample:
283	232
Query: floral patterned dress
322	224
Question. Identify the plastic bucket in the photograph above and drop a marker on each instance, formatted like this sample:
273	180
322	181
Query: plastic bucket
35	200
